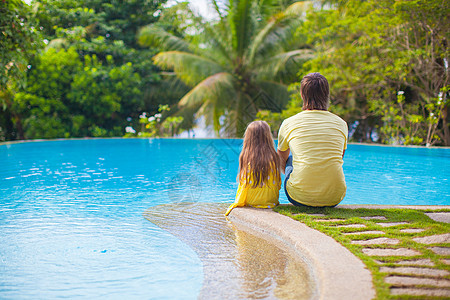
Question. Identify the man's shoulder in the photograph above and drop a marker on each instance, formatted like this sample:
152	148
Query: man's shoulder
337	118
340	122
292	119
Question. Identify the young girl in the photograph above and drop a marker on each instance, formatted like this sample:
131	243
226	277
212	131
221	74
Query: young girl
259	165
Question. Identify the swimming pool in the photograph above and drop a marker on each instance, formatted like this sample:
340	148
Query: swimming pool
71	212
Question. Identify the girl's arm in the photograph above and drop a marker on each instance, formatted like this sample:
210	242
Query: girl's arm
241	196
283	158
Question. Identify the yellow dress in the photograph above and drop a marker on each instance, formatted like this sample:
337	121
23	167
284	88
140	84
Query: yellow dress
265	196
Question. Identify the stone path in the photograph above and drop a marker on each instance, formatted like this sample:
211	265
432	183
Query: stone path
440	216
418	276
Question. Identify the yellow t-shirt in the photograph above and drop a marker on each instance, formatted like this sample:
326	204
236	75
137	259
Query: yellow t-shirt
317	140
265	196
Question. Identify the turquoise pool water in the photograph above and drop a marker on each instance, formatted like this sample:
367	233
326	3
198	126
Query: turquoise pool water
71	221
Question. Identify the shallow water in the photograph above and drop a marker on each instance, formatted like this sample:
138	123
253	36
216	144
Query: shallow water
71	222
237	263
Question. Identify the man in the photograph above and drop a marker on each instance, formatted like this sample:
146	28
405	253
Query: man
317	140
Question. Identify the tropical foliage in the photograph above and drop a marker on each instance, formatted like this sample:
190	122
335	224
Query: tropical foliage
387	64
239	64
94	68
87	76
19	39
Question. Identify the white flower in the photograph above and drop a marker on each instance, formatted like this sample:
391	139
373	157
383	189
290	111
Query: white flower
144	115
129	129
158	116
151	119
431	114
400	92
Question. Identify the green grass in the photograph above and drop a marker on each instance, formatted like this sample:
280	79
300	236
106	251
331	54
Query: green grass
415	219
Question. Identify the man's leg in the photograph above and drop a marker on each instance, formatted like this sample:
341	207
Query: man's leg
287	172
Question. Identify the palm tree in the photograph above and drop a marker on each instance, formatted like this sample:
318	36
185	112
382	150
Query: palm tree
242	63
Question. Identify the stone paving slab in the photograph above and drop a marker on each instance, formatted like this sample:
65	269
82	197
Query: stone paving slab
433	239
351	226
392	224
390	252
417	262
440	216
377	241
446	261
374	218
412	230
412	281
440	250
414	262
420	292
330	220
415	271
364	232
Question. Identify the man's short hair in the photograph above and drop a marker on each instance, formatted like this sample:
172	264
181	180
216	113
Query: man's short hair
315	92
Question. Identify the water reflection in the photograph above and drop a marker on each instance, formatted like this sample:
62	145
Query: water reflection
237	263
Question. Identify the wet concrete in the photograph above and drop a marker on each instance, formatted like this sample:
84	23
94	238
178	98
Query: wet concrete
238	263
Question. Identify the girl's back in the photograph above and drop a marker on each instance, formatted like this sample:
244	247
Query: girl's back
259	165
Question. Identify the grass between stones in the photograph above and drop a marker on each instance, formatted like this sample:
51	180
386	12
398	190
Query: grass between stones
402	265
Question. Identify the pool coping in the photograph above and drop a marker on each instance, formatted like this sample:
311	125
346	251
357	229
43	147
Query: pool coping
201	138
338	274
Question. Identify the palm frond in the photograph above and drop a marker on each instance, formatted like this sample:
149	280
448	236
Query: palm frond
214	94
271	95
218	88
155	36
299	8
217	39
286	63
217	9
242	24
190	68
278	33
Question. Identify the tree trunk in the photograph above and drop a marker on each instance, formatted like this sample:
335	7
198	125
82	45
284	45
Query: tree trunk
445	125
19	127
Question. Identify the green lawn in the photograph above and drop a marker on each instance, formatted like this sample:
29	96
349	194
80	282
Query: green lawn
314	218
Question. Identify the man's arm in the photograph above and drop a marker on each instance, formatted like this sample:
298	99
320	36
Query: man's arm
283	157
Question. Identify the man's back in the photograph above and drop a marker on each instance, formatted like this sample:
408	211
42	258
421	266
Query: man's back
317	140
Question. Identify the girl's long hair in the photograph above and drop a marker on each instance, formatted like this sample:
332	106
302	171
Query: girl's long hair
258	156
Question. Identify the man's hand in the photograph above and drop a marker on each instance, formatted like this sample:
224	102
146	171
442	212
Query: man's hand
283	158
